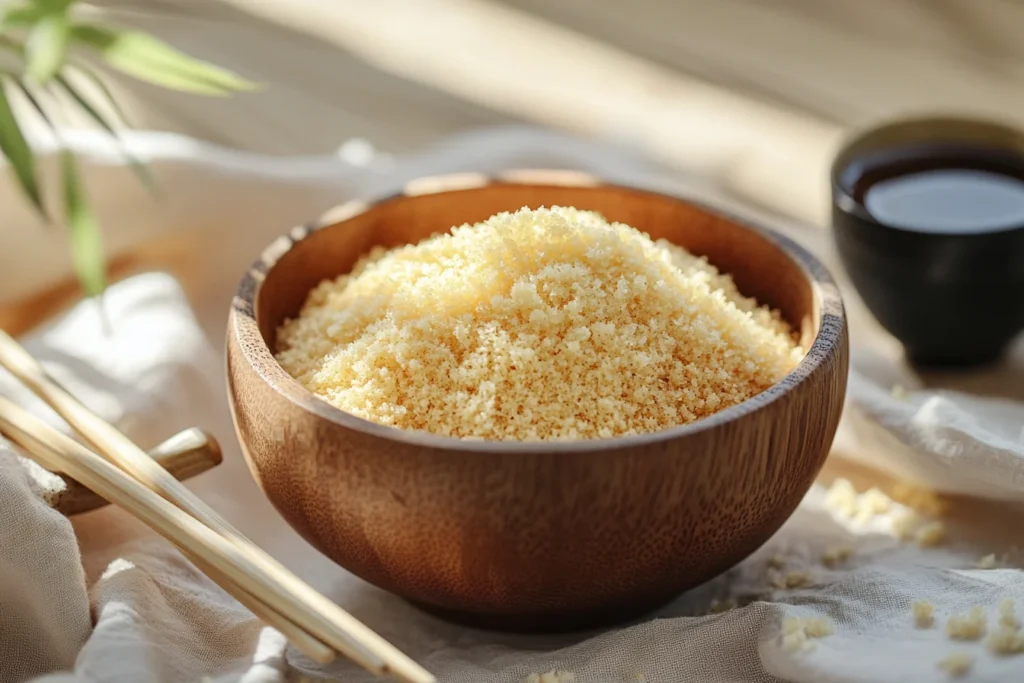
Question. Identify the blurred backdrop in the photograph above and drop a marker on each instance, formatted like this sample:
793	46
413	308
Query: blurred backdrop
734	89
751	97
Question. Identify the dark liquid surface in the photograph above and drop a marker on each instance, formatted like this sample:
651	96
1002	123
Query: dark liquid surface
947	189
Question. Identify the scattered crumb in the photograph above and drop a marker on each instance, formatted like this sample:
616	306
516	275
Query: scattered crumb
818	627
776	561
552	677
796	579
842	497
987	562
639	678
1007	617
899	393
924	613
931	534
792	625
1005	641
833	557
875	501
719	606
912	524
797	632
922	500
863	516
793	579
957	664
968	625
797	640
906	524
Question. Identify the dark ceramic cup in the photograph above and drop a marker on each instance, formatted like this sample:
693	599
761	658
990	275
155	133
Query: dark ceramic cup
954	298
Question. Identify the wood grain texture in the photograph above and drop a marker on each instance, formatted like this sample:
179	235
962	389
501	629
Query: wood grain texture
536	536
185	455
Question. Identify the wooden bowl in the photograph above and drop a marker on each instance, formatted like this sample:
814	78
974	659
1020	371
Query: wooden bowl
538	536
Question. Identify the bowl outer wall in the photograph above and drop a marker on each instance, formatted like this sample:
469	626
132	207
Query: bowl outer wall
537	530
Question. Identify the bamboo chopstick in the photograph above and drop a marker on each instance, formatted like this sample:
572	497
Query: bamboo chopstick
314	613
211	553
305	643
185	455
55	451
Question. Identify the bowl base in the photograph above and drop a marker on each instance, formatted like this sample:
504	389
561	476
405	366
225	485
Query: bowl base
924	360
554	623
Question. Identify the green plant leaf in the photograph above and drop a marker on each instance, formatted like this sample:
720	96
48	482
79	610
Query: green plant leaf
145	177
54	5
102	86
47	47
19	154
84	230
10	45
149	59
21	16
35	105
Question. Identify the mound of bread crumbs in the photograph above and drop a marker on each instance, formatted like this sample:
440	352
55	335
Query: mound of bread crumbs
537	324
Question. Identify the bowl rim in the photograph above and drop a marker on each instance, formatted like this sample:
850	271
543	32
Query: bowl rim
244	329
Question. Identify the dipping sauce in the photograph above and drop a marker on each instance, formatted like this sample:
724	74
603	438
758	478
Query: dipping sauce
947	189
928	221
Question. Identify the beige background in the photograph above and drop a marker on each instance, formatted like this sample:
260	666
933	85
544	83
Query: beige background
738	90
751	96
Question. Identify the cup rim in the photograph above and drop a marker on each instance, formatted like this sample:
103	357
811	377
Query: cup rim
825	348
925	128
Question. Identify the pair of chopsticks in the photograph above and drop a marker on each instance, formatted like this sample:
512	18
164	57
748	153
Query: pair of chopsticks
128	477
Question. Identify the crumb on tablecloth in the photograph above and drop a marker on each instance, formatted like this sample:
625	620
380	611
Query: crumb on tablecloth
1005	640
797	632
833	557
921	500
987	562
970	625
1007	614
557	676
931	534
924	613
957	664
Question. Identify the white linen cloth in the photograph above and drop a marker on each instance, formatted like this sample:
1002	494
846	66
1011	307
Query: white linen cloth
100	598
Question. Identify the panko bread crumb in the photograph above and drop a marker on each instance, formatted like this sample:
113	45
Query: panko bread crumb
931	534
539	324
924	613
957	664
833	557
552	677
797	632
970	625
1007	614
